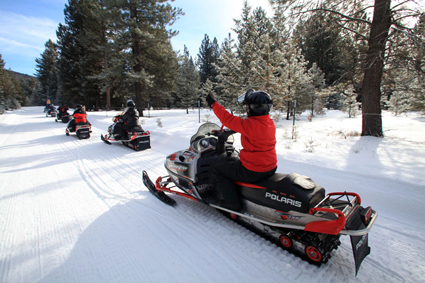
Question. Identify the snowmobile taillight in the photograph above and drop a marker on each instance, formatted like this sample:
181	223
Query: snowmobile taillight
366	215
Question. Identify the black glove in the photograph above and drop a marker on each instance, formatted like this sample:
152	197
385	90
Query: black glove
210	100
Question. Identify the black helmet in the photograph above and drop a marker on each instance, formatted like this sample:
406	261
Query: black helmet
79	106
130	103
258	102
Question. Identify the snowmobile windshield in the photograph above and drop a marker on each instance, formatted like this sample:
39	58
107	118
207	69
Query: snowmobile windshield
207	137
205	130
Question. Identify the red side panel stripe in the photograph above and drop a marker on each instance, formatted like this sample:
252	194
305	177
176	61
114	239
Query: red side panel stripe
250	185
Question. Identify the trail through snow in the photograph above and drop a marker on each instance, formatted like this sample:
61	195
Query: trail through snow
77	211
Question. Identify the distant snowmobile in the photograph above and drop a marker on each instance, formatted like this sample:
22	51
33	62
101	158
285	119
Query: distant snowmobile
64	117
136	138
288	209
51	111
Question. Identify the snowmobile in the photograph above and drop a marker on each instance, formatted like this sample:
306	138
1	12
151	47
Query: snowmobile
288	209
62	116
51	111
136	138
82	130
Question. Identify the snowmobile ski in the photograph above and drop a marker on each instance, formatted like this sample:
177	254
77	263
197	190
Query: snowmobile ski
103	139
160	195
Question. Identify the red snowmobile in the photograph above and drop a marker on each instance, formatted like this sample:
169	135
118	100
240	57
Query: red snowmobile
82	130
288	209
136	138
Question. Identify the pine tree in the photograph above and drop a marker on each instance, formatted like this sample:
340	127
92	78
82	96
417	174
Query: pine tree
325	43
229	76
71	53
188	82
247	34
208	56
264	60
31	89
350	104
142	39
3	93
93	42
417	88
81	45
47	72
110	77
296	82
399	102
20	98
165	71
317	94
259	51
8	90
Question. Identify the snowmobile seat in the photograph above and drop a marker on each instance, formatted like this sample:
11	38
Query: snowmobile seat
82	123
284	192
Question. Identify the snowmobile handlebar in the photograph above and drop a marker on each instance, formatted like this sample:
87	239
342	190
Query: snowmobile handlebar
223	135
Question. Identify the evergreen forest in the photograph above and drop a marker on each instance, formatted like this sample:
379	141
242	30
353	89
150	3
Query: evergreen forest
309	56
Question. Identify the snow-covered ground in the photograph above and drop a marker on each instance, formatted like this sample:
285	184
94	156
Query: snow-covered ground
77	211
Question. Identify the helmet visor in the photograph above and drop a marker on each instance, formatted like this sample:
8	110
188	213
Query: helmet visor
243	97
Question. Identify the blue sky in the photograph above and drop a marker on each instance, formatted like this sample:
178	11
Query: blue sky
26	25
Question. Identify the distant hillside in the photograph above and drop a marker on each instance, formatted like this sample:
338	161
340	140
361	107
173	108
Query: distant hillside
19	76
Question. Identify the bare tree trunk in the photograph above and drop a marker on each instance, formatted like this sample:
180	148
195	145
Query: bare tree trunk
288	110
371	88
136	52
139	98
108	98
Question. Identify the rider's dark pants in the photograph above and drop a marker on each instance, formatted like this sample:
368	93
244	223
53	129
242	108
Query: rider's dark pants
228	172
71	125
121	130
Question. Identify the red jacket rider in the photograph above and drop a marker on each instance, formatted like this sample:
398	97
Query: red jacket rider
258	136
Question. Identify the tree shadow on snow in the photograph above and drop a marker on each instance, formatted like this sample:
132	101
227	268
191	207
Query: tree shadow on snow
144	240
135	242
363	157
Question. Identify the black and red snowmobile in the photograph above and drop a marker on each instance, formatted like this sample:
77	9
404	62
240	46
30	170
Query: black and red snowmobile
288	209
82	130
63	116
136	138
51	111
